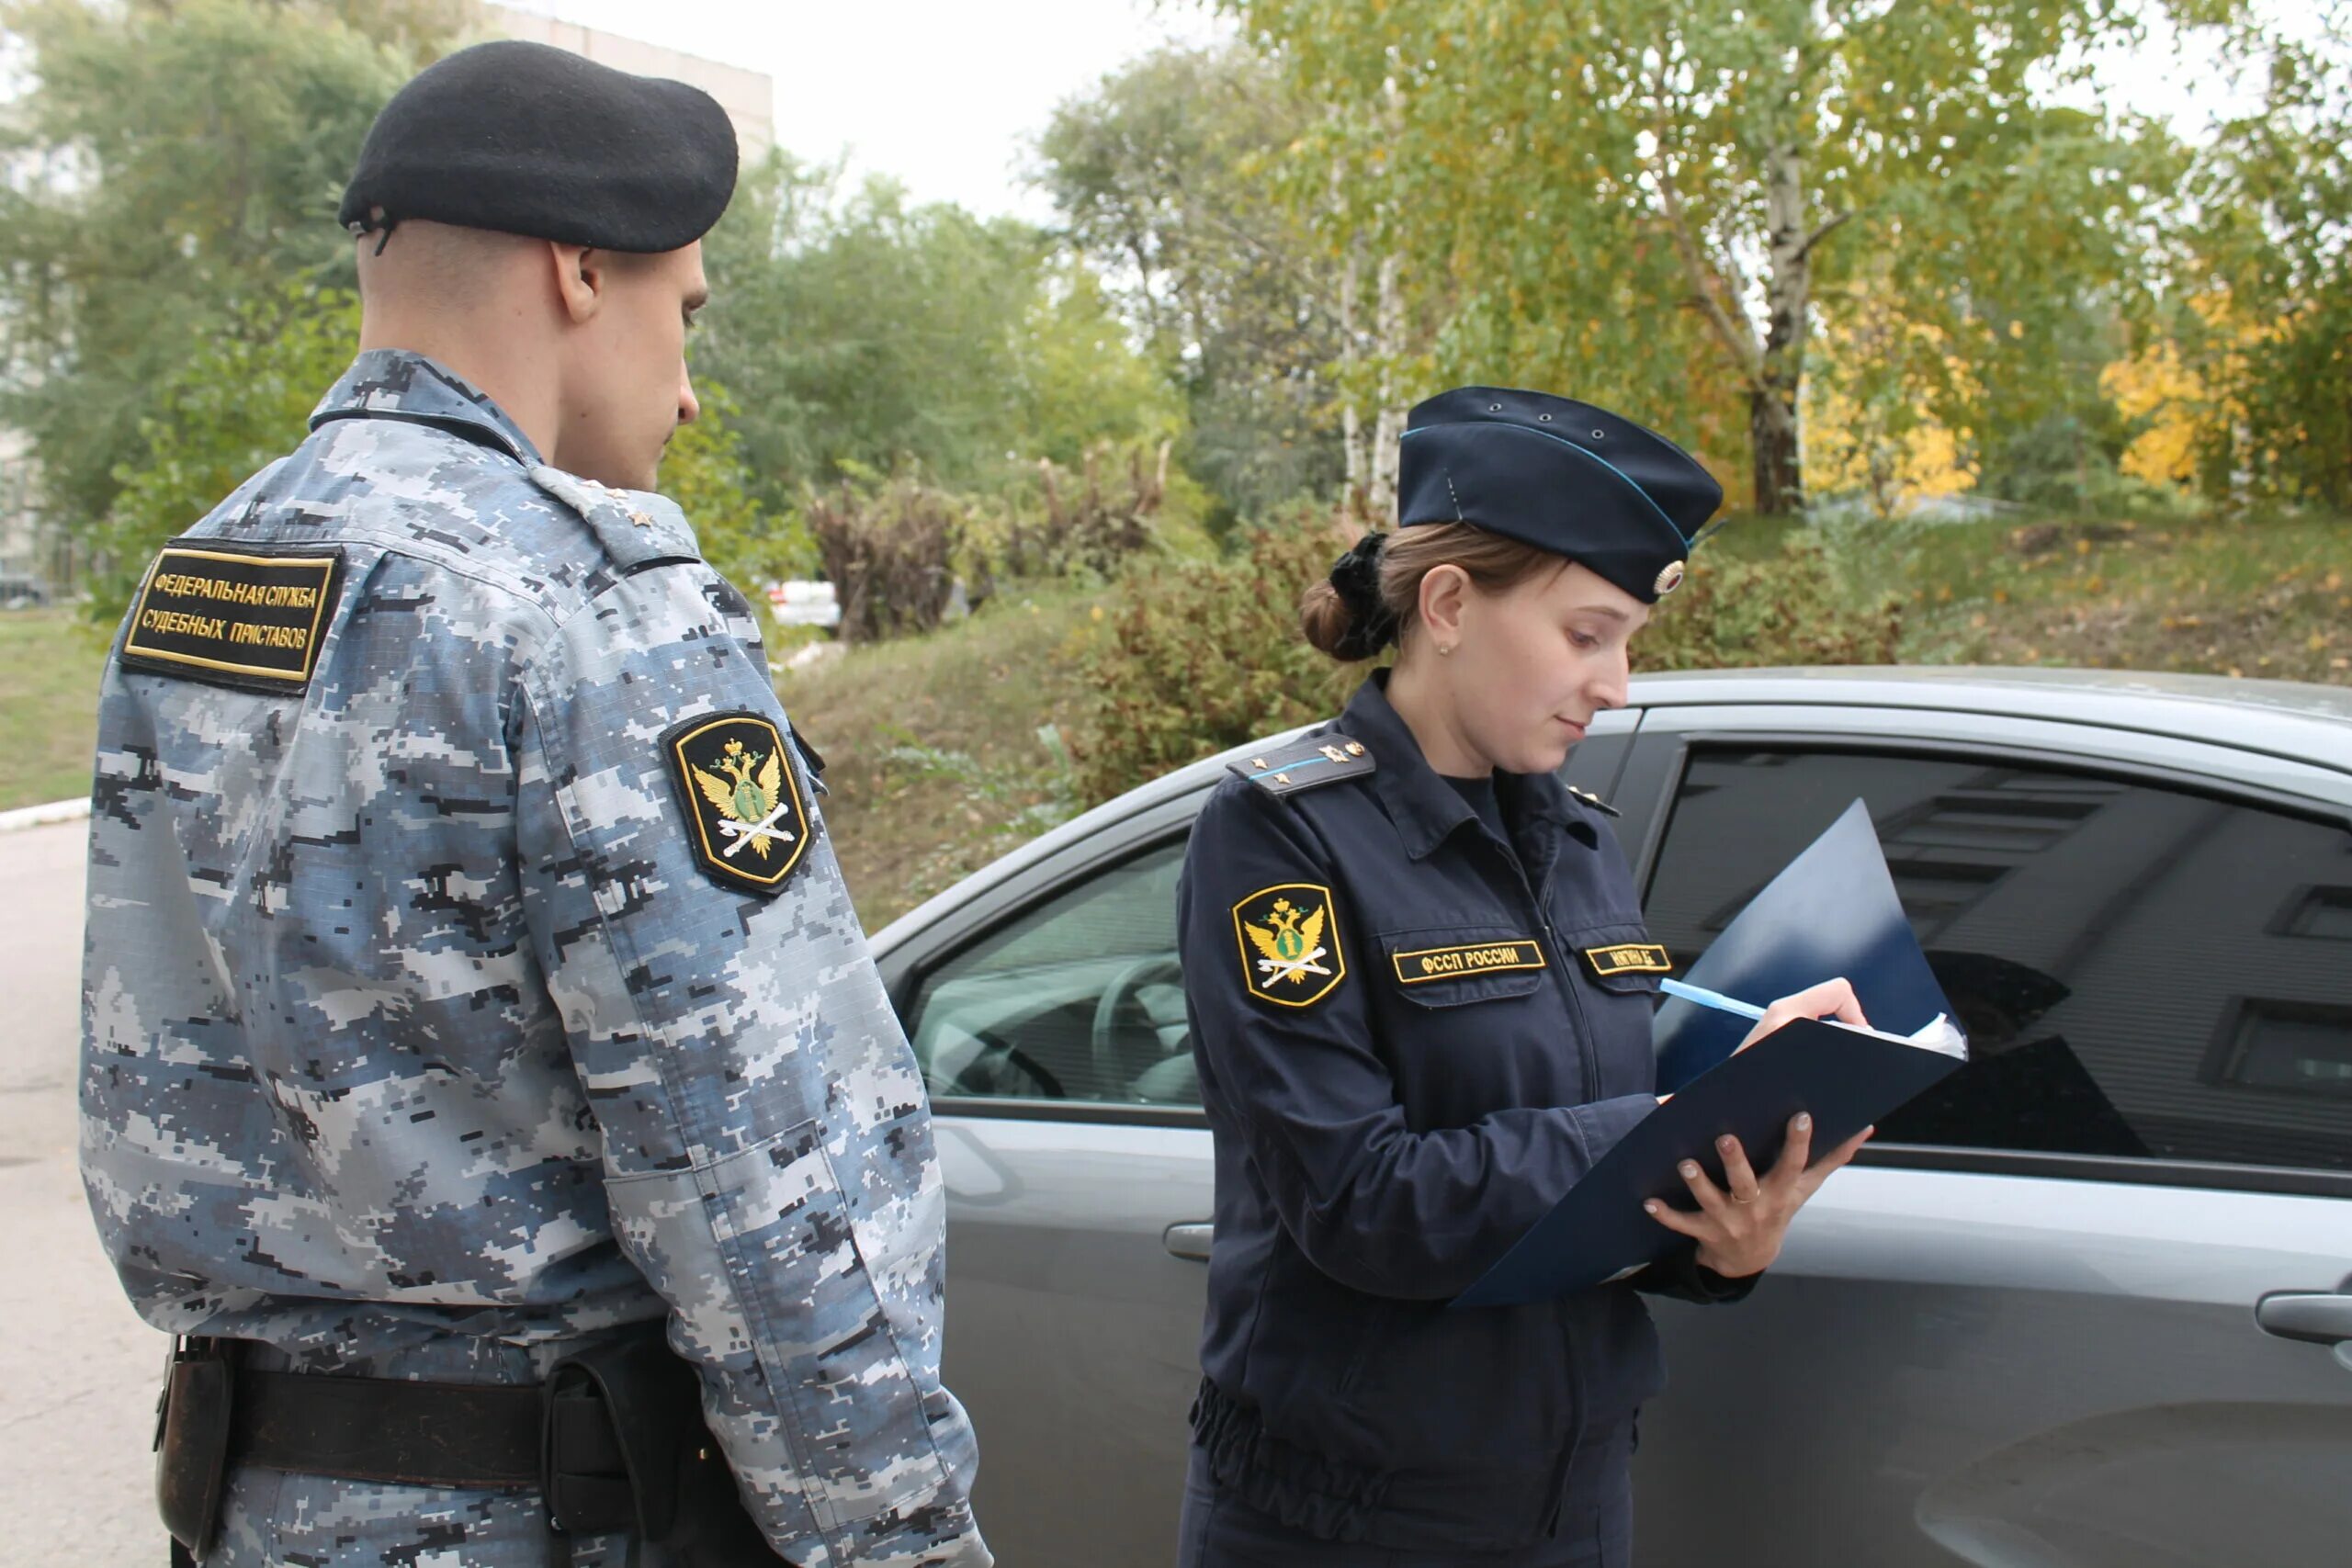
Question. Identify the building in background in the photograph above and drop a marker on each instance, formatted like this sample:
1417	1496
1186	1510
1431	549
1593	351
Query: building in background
748	96
25	568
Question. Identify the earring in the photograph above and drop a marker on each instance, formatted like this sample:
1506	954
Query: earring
1444	647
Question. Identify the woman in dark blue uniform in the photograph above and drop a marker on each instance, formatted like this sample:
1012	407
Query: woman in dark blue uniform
1420	997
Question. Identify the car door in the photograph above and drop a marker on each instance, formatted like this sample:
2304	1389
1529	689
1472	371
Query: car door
1047	1012
1050	1025
2049	1318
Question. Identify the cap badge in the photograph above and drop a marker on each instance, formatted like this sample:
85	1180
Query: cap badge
1670	576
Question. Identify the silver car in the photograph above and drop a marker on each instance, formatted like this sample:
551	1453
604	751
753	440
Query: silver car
2088	1304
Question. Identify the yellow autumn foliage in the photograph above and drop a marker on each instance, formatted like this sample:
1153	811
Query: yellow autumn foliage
1882	444
2182	412
2153	388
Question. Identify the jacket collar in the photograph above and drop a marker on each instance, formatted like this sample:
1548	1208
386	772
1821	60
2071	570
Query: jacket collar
1425	807
393	383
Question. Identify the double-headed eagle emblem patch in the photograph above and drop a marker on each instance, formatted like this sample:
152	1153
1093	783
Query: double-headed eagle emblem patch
1289	944
741	798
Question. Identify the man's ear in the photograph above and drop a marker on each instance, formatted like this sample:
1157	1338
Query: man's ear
580	279
1443	589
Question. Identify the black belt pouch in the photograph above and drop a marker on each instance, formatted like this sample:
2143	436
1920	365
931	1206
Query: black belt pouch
625	1418
192	1441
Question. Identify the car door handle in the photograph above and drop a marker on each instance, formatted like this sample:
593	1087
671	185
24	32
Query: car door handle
2320	1316
1189	1240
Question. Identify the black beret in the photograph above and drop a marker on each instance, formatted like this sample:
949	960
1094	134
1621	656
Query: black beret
526	139
1562	476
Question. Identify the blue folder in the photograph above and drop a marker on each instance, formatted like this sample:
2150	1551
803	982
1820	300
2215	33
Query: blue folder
1832	911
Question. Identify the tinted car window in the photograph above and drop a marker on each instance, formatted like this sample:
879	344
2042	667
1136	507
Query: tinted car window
2142	972
1078	998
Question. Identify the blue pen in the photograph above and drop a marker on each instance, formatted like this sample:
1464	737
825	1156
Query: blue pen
1707	998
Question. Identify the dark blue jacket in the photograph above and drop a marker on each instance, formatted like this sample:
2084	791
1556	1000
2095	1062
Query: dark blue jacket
1408	1057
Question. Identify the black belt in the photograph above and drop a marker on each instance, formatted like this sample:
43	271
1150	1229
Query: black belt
410	1434
465	1435
613	1440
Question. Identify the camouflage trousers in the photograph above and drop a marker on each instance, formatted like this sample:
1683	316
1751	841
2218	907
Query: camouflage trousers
274	1519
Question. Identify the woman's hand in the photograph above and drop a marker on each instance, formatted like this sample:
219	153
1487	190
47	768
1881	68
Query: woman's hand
1831	998
1739	1232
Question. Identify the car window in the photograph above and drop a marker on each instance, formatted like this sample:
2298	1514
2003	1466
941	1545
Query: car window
2142	972
1078	997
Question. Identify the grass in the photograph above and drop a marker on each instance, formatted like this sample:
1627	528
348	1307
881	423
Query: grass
2266	595
50	663
932	756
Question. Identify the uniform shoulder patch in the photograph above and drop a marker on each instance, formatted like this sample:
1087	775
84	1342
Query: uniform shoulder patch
740	794
1594	801
253	616
1306	764
1288	936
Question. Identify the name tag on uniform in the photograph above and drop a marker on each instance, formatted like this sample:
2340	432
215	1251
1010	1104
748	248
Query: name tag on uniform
244	619
1630	958
1455	962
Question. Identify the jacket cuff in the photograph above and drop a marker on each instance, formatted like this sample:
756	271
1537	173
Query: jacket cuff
1602	1123
1684	1277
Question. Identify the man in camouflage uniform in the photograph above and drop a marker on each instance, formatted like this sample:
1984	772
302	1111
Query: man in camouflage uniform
468	973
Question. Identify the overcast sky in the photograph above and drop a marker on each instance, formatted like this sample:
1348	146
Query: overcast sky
944	97
947	94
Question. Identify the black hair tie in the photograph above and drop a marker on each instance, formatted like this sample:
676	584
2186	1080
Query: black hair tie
1356	576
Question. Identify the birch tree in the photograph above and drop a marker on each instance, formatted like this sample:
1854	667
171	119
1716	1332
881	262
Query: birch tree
1648	203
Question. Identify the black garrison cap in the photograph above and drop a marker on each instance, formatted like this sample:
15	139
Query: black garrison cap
1562	476
526	139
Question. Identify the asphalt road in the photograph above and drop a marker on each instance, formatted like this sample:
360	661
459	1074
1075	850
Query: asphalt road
77	1367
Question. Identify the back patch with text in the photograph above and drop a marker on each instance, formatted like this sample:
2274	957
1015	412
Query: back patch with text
248	618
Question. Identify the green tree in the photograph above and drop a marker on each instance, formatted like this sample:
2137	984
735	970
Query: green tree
1645	203
171	161
244	399
1077	380
240	400
1159	178
2267	255
866	332
749	542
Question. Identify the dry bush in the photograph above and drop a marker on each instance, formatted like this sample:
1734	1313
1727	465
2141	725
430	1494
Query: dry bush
890	550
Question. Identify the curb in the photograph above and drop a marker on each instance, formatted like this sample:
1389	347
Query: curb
44	815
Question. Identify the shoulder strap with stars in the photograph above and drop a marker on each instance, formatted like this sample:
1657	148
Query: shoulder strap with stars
637	529
1306	764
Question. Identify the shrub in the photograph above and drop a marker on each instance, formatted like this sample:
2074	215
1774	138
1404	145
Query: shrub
1081	524
1193	656
1795	607
889	548
704	471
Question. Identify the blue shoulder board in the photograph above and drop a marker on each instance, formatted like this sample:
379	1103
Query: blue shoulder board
1306	764
1594	801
